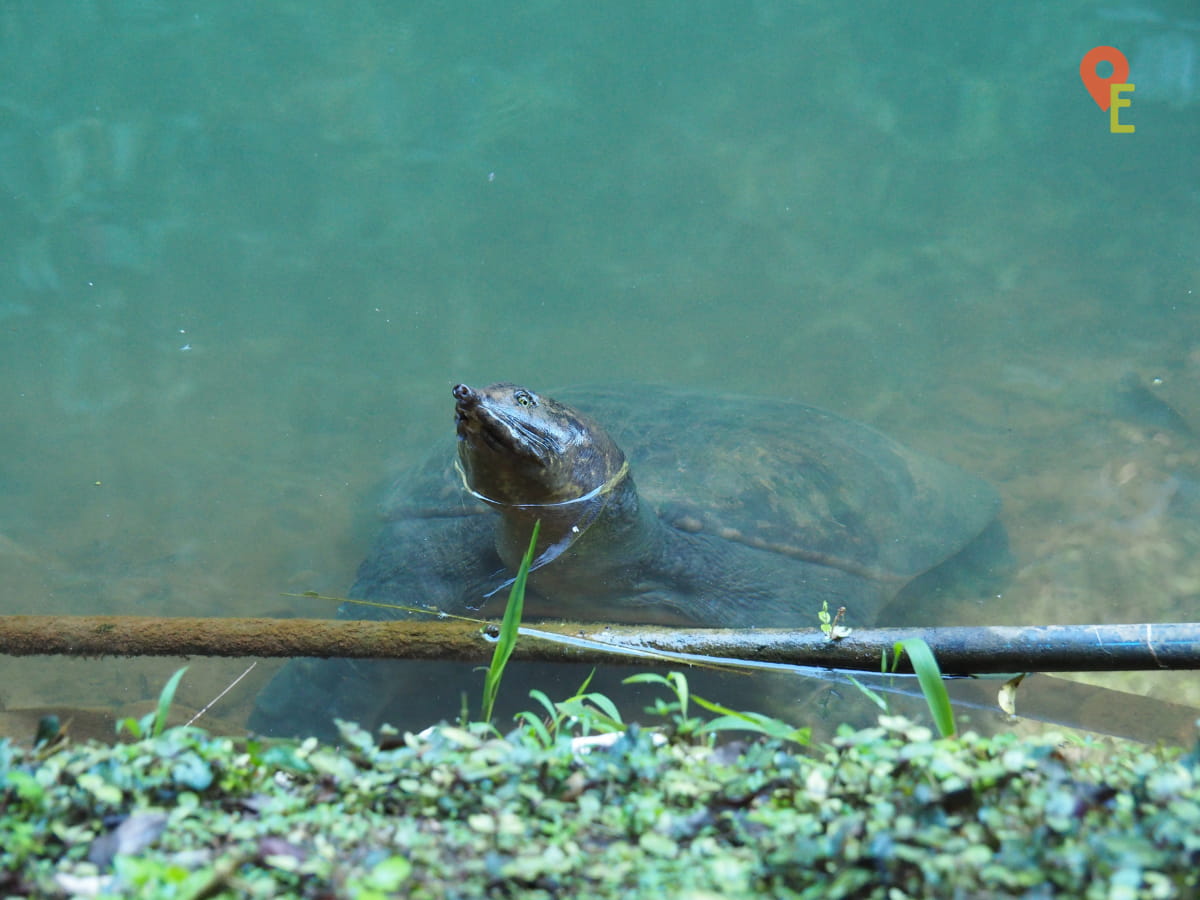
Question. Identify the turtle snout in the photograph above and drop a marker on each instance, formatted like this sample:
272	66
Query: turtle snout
465	407
466	402
465	395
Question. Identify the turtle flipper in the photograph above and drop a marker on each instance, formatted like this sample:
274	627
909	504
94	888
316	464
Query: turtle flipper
449	572
307	695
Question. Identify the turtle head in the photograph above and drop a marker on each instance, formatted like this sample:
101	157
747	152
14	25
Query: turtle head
519	448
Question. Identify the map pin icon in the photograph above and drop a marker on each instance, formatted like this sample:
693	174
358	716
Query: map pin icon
1099	87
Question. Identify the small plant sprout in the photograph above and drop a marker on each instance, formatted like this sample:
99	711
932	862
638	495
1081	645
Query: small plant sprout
153	724
831	625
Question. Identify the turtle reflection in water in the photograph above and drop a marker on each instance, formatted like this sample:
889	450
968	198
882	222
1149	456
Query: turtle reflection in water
686	508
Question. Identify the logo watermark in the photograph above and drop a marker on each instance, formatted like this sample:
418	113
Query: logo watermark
1107	91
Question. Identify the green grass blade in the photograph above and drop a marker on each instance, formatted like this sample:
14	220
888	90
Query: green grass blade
509	626
536	727
736	720
165	699
874	696
929	676
603	703
592	713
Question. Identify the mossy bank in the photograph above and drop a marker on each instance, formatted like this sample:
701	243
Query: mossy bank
885	812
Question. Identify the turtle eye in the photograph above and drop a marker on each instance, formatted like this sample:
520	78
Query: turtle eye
524	398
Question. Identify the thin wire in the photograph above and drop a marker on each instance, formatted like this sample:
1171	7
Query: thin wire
228	688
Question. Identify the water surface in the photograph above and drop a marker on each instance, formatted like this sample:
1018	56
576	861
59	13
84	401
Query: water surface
247	251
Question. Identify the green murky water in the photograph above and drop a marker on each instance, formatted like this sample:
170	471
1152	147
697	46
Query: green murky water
246	251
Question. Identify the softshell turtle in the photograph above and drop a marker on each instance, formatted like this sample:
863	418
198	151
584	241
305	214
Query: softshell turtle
681	508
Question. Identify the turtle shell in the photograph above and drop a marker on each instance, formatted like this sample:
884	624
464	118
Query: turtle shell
774	475
749	512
